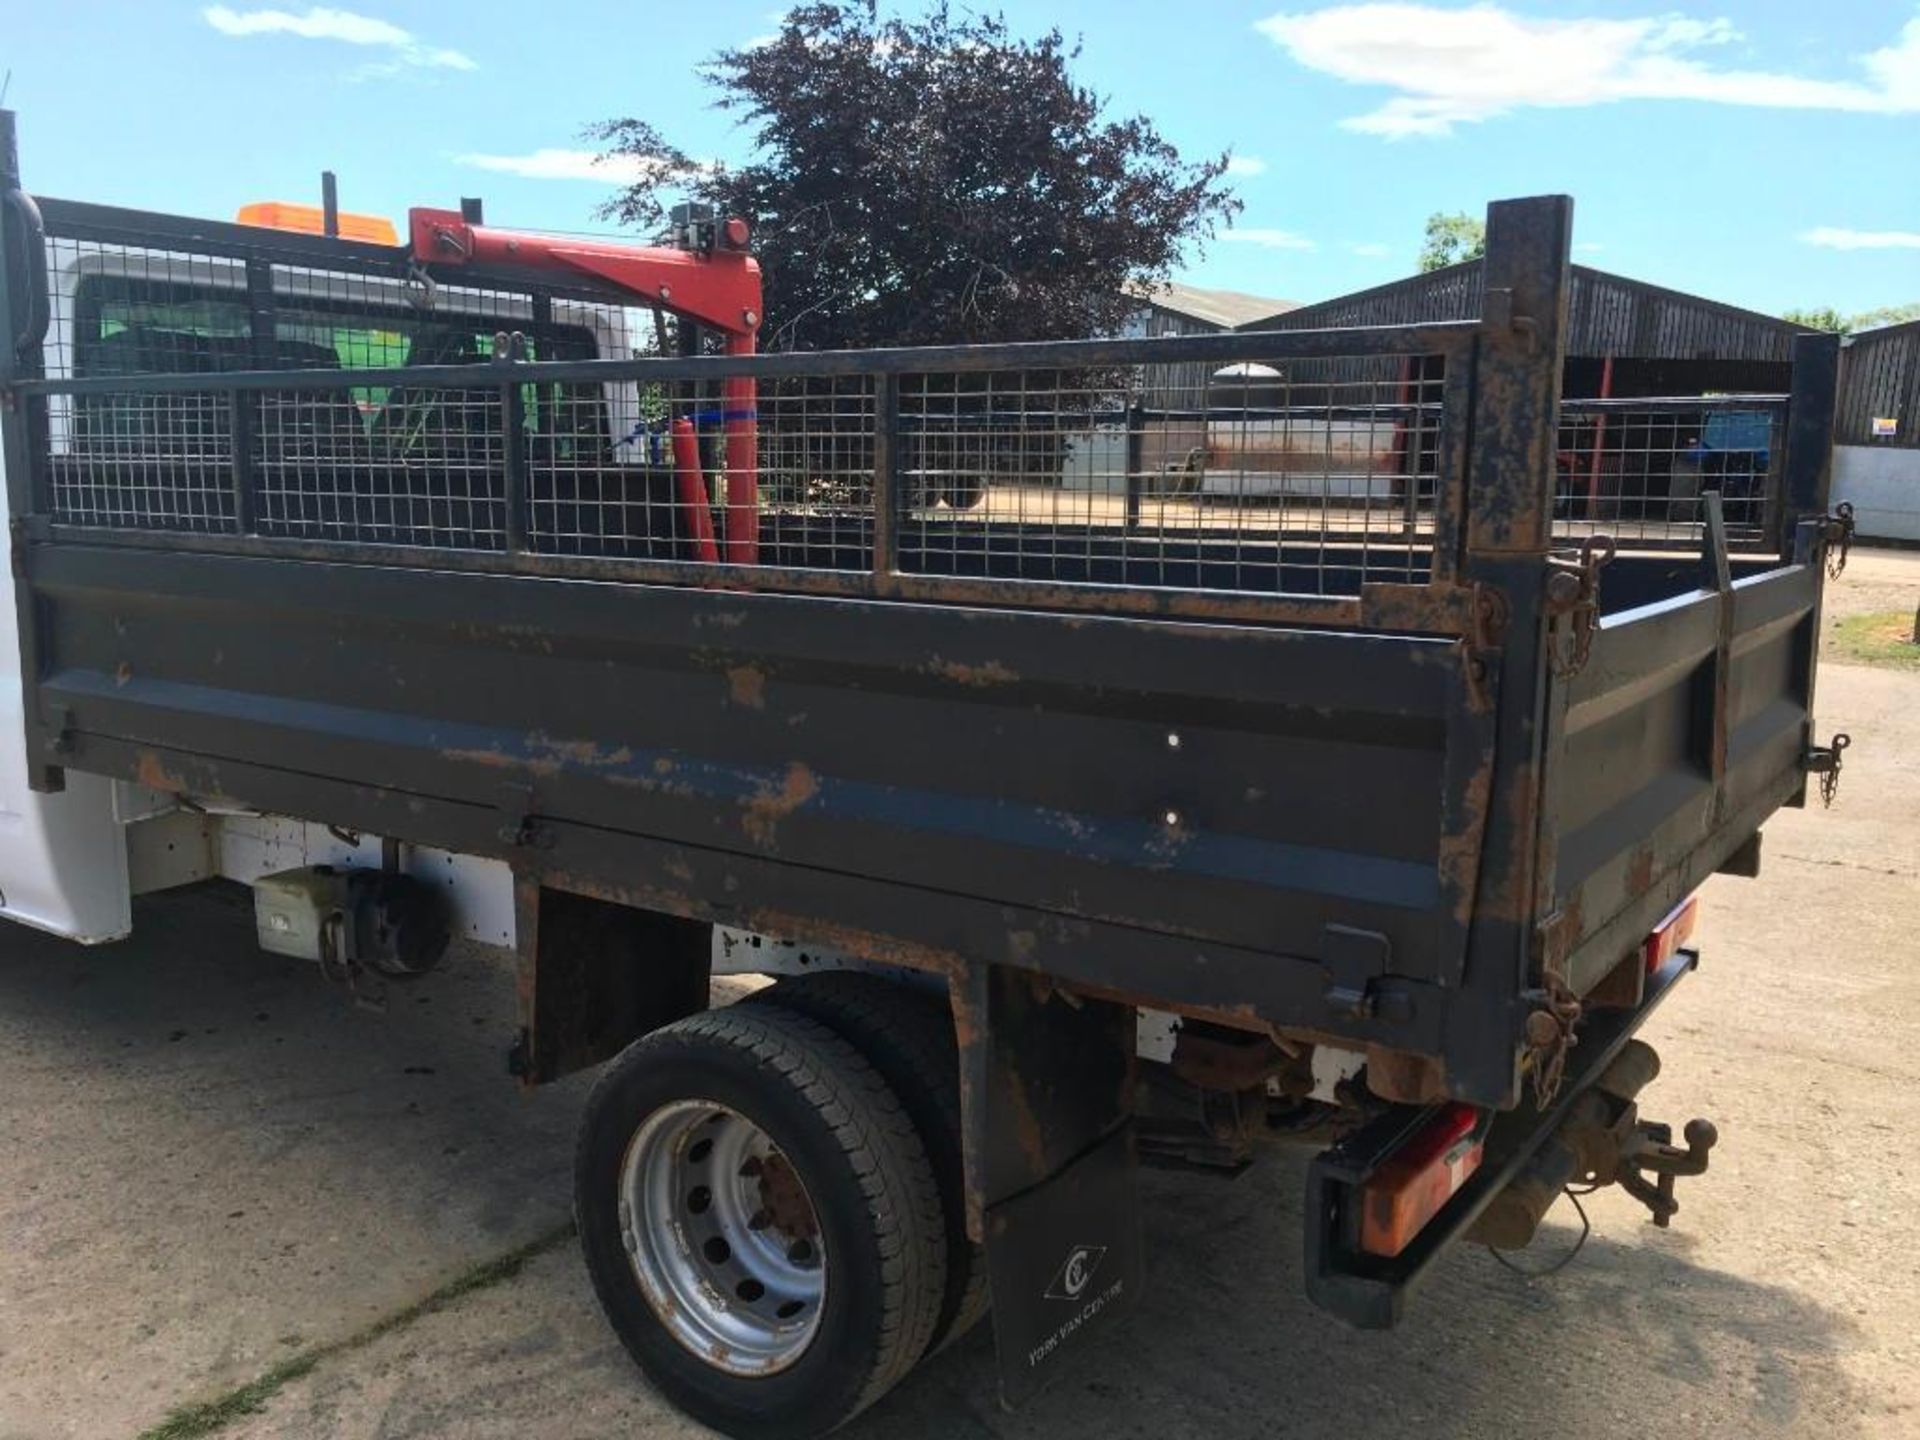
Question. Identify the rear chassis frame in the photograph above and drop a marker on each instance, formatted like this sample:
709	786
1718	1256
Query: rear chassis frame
806	752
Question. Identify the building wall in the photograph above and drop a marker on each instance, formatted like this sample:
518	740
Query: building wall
1882	483
1880	379
1173	387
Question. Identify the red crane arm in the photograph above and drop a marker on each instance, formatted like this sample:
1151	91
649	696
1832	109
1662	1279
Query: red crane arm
719	289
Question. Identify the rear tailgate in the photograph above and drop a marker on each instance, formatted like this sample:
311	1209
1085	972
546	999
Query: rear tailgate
1687	727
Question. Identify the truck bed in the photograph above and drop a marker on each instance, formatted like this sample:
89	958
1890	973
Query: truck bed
1387	771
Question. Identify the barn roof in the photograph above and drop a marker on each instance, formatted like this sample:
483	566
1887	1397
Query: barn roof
1607	315
1229	309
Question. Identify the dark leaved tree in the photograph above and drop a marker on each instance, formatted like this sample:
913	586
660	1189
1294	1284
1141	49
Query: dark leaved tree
933	180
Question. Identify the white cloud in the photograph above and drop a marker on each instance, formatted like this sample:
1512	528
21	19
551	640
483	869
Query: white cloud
1248	165
1588	247
1372	249
1835	237
560	164
344	26
1268	239
1449	67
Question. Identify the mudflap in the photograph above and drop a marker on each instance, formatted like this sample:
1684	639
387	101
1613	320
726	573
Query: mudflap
1065	1263
1047	1096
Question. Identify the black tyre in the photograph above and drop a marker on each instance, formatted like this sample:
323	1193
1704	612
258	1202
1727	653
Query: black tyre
907	1034
760	1221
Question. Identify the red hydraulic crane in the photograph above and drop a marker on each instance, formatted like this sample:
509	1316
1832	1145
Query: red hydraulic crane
713	282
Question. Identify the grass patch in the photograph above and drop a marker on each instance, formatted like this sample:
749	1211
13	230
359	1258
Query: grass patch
1882	638
205	1417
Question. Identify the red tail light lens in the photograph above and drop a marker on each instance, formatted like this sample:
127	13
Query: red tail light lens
1409	1189
1673	932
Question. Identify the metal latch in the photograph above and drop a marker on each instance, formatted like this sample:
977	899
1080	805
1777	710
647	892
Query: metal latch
1836	533
1356	962
1573	594
1824	761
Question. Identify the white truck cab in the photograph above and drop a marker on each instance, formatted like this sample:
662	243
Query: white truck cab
70	862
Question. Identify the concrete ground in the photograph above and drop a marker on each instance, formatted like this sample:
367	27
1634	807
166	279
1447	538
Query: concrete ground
210	1164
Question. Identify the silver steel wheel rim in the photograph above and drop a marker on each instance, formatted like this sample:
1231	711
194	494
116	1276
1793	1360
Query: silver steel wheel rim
723	1237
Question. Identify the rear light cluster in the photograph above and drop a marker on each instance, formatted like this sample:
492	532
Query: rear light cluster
1671	933
1409	1189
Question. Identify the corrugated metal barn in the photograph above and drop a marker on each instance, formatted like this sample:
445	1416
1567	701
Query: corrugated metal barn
1176	309
1876	459
1880	382
1659	341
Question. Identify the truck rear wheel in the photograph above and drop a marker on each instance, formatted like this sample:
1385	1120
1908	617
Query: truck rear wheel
907	1034
760	1221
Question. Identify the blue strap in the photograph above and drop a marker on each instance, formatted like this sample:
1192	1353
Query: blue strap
654	429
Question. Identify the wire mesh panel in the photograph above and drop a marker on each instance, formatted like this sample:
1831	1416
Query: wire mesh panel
1636	469
1310	477
381	463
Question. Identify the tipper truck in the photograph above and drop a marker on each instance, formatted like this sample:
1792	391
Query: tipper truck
451	581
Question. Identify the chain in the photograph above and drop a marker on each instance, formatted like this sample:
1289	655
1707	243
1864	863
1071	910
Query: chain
1550	1032
1839	535
1830	778
1574	591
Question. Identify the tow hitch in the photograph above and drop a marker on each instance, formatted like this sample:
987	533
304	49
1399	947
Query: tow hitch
1651	1148
1602	1141
1501	1177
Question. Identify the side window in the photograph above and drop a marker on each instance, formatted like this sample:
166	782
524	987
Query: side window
129	326
137	327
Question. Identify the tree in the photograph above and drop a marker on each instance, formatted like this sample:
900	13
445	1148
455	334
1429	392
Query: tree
1824	318
1828	318
1886	315
931	180
1451	238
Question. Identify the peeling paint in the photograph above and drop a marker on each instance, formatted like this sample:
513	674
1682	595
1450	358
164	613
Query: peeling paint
770	804
747	684
979	677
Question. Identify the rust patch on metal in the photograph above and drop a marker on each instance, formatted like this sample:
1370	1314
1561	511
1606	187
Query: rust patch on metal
1460	852
979	677
583	753
500	760
122	673
1622	987
747	684
152	772
1438	608
1640	872
1215	1062
771	804
1404	1077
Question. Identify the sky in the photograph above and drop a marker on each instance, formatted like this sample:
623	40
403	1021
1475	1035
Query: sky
1765	153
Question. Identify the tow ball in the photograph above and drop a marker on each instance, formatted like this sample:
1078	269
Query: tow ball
1649	1149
